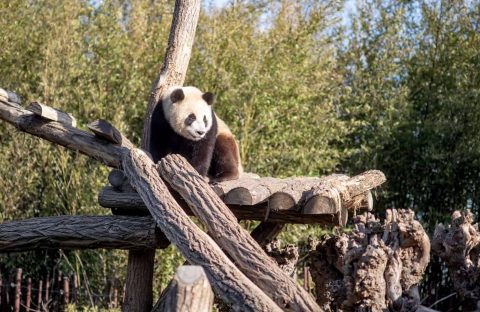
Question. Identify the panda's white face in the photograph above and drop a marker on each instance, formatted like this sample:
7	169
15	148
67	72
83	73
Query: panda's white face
188	112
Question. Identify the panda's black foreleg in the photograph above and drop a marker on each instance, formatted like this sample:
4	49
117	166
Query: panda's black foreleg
202	157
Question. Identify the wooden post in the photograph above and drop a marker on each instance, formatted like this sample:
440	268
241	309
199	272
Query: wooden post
1	283
139	282
39	298
177	57
189	291
29	294
66	291
47	287
115	297
75	288
18	289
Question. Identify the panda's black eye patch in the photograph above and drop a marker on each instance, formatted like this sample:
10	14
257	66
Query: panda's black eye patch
190	119
205	121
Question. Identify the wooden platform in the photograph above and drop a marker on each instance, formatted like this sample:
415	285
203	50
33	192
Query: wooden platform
324	200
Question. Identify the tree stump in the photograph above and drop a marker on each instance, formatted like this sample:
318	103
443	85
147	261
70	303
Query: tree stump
458	245
375	267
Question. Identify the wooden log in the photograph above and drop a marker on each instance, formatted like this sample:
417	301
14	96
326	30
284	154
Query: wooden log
249	191
177	57
117	178
196	246
103	129
189	291
75	288
28	301
360	202
18	289
140	264
3	95
80	232
231	237
66	291
123	203
52	114
2	301
295	189
72	138
9	96
265	232
39	296
341	194
46	300
172	73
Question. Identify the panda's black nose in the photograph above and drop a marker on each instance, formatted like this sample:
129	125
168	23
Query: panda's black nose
199	132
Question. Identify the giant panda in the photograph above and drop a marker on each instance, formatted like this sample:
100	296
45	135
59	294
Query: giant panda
184	123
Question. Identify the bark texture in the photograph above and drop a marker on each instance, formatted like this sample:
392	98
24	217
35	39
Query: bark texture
177	57
58	133
130	203
189	291
375	267
231	237
52	114
198	248
458	245
286	257
138	294
80	232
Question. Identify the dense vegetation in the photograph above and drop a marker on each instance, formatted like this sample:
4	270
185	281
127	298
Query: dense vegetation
308	88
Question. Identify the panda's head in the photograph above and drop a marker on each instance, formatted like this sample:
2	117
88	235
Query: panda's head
189	112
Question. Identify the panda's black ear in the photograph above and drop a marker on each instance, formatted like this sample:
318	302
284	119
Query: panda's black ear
209	97
177	95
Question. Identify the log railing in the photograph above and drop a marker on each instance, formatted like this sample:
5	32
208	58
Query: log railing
252	283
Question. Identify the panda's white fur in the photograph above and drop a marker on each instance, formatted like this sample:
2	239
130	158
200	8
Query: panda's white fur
178	113
184	123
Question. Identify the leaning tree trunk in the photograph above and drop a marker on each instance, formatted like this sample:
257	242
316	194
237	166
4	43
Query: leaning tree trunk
229	283
177	57
236	241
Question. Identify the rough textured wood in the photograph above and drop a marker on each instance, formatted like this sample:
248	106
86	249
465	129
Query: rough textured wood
376	267
58	133
173	71
117	178
138	295
231	237
103	129
53	114
339	194
189	291
286	257
266	232
295	189
177	57
196	246
360	202
131	204
8	96
458	245
80	232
